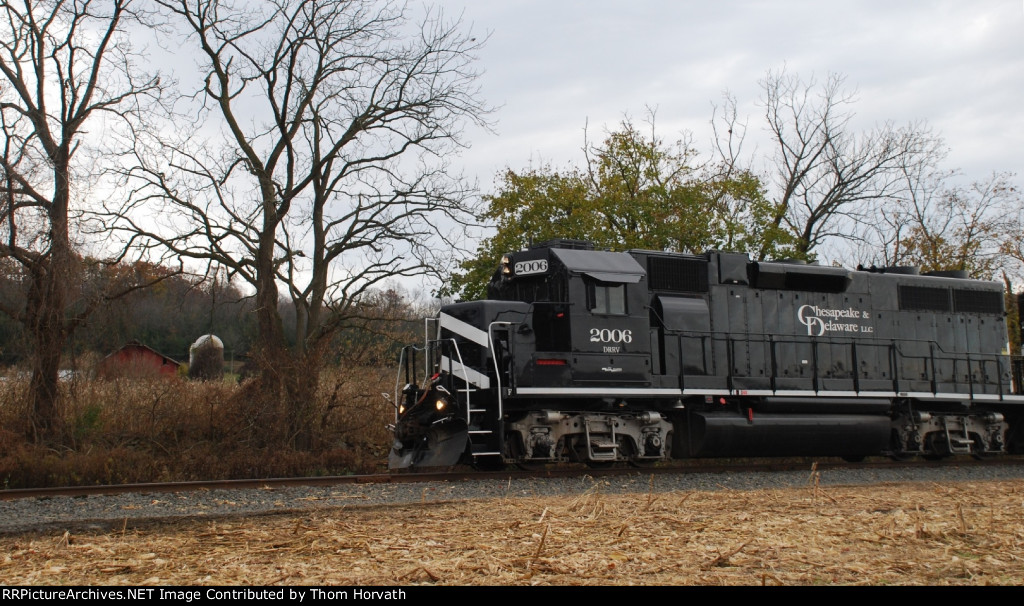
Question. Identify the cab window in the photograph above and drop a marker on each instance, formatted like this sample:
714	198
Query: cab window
606	297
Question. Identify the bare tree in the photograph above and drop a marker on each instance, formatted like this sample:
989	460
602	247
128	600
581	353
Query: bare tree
751	216
941	223
320	164
953	227
64	68
828	178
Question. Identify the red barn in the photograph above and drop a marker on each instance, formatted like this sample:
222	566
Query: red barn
135	360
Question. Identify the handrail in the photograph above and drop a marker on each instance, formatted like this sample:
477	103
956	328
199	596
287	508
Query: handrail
403	366
427	340
856	348
432	345
462	365
765	337
494	359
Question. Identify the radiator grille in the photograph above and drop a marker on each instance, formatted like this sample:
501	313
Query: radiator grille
978	301
924	298
677	274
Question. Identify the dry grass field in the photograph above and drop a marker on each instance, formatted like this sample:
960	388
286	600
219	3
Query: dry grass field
906	534
128	431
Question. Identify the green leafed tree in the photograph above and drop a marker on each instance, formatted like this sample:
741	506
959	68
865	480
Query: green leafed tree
634	190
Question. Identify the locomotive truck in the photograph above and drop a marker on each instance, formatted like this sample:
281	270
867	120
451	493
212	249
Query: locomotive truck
642	356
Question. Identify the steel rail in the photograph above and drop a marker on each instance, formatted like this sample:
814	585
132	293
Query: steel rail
456	475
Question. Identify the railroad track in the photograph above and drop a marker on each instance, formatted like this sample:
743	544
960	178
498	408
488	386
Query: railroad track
456	475
105	509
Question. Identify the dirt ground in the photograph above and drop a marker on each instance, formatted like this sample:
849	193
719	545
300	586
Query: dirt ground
906	534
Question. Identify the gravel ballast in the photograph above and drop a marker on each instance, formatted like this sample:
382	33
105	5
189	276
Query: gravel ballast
104	512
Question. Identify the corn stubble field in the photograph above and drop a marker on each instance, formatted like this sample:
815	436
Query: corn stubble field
907	534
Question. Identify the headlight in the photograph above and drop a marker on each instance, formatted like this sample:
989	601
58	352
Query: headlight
441	404
401	409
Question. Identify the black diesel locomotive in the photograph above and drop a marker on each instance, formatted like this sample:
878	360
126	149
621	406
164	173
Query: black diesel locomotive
602	357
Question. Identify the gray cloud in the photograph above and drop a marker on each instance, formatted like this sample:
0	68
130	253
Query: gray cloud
559	64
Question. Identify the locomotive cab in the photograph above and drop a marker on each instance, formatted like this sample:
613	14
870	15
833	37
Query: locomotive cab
587	330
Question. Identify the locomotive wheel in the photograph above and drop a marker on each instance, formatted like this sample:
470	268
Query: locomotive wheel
517	452
938	448
630	452
978	452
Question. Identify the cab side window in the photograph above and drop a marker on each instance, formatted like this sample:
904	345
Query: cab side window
606	297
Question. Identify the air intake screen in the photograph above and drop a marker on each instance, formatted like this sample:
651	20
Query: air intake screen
924	298
677	275
978	301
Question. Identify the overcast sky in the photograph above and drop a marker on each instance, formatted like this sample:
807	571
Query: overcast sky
553	66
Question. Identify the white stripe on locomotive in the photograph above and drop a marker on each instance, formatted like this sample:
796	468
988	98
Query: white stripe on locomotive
463	329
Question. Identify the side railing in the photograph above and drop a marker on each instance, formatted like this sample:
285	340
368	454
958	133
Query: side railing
935	370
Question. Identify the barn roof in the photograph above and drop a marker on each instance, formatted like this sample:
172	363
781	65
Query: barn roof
136	345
